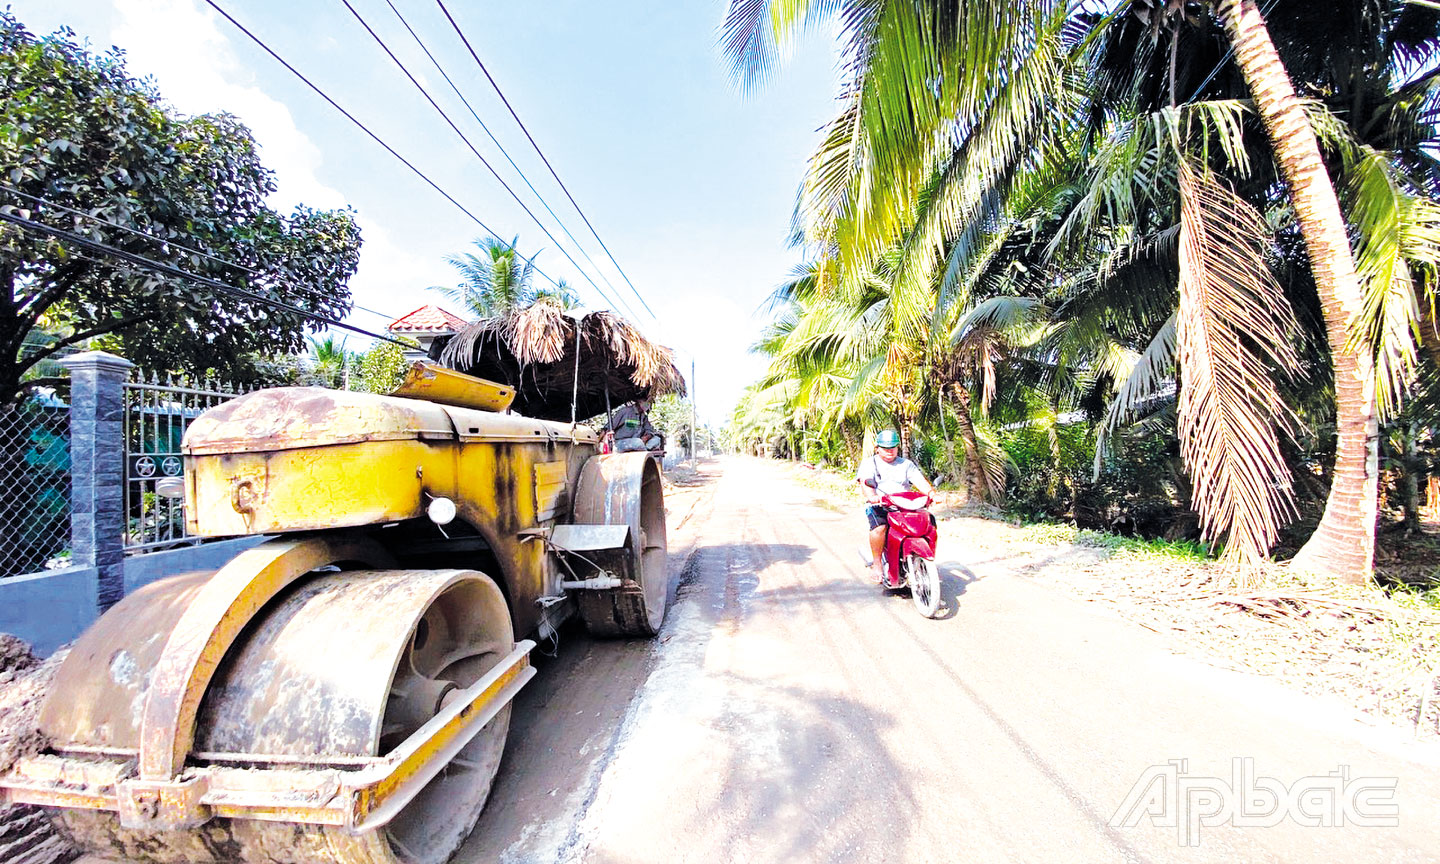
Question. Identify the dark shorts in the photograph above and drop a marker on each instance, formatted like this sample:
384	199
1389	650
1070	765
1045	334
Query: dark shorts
876	514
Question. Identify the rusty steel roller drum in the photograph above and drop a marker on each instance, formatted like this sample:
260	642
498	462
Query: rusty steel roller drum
339	665
616	489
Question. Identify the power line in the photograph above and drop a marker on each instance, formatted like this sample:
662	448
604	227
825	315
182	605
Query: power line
376	138
483	160
161	267
528	137
136	231
501	147
46	202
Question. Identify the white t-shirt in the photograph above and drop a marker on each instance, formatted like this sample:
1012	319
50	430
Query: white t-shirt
890	477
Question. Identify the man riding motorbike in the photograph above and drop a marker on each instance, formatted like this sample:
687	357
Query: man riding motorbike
886	472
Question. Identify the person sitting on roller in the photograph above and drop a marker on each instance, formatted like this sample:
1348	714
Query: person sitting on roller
632	429
886	472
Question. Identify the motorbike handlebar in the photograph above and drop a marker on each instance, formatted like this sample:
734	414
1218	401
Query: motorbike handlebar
885	501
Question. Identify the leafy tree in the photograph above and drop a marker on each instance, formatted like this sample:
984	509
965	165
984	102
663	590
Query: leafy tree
671	415
79	134
380	369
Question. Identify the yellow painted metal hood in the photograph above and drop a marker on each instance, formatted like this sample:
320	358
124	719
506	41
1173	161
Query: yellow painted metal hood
288	418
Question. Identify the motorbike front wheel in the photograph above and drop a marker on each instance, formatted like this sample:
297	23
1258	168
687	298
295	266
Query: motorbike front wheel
924	579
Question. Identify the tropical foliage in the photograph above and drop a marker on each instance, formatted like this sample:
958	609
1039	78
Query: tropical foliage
87	150
499	280
1185	239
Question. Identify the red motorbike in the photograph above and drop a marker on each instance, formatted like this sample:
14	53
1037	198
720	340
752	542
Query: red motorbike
909	556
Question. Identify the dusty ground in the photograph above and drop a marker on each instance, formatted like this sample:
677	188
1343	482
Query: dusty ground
790	712
25	835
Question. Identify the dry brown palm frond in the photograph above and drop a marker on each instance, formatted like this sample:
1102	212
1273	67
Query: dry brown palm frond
539	333
469	343
1235	329
534	350
995	465
653	364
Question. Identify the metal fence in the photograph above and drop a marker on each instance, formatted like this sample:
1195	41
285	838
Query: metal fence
34	484
157	413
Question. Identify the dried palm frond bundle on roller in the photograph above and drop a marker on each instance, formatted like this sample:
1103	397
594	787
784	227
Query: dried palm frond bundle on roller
535	350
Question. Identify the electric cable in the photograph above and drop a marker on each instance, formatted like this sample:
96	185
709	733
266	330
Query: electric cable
169	270
376	138
138	233
483	161
501	147
461	33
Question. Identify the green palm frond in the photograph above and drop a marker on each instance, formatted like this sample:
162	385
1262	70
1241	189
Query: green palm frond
498	281
1152	371
1399	232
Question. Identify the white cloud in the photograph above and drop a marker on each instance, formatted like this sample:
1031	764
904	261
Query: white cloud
196	68
707	329
392	279
197	71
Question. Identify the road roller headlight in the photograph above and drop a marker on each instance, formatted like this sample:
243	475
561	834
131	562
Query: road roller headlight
441	511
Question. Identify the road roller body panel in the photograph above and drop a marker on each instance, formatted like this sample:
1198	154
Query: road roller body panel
341	691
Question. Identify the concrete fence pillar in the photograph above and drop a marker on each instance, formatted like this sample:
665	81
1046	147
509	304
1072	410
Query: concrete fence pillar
97	468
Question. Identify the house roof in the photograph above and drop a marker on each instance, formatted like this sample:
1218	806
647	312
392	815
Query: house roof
428	319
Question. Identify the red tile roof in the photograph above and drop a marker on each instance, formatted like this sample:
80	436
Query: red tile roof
428	319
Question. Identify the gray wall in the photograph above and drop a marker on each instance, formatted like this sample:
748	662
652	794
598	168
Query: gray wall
49	609
143	569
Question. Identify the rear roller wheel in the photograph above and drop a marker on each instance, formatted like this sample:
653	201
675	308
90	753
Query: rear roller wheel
342	664
625	488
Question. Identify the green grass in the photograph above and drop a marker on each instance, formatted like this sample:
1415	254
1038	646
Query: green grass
830	482
1060	533
1415	597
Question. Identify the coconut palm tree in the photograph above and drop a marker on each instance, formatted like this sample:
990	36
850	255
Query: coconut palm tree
562	296
1370	63
1344	542
331	361
947	103
495	282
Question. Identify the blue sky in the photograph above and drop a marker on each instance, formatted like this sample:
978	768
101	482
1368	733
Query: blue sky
689	181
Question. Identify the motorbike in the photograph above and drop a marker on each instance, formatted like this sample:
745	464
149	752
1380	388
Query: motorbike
909	556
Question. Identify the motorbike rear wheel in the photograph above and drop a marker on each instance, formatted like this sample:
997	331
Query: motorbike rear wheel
924	579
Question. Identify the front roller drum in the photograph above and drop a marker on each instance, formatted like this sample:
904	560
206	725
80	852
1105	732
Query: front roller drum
341	665
625	488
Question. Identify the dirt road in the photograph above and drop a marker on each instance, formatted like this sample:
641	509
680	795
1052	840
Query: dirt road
791	713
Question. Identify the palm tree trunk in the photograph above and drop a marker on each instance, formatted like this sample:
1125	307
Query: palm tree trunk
902	423
974	470
1413	468
1344	542
949	441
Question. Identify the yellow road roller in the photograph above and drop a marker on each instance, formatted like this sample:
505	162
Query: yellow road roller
341	692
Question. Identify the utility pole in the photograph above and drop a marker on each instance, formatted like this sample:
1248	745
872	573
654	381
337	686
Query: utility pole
693	461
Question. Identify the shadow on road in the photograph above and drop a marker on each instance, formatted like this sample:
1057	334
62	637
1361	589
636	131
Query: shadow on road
790	780
783	787
955	578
